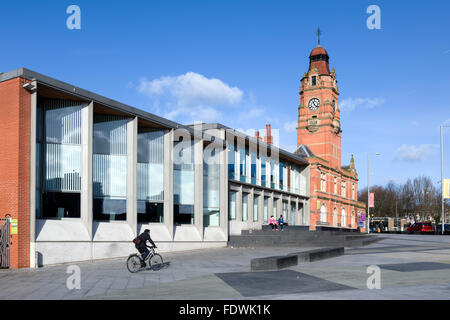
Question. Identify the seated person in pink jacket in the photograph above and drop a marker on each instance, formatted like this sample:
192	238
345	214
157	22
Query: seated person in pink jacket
273	222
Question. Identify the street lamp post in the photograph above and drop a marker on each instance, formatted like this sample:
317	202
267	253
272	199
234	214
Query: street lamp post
368	190
442	177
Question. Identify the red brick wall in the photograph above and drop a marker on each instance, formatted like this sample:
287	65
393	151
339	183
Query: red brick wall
15	105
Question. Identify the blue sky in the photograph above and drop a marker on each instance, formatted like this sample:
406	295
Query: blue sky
240	63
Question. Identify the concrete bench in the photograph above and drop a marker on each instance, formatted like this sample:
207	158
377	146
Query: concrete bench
273	263
279	262
318	254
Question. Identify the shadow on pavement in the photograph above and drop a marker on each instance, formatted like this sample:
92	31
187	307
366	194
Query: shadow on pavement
157	267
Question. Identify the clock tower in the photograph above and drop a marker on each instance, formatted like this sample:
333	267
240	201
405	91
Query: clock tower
318	114
333	187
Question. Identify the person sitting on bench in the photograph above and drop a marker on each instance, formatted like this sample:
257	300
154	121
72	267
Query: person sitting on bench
273	223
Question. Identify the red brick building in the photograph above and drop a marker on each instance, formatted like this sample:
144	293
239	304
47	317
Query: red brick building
334	188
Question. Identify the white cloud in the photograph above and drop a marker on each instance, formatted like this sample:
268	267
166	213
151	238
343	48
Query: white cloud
190	95
251	114
416	153
290	127
351	104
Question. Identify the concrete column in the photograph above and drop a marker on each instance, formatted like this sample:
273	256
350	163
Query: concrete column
132	129
223	187
168	182
198	185
87	127
33	125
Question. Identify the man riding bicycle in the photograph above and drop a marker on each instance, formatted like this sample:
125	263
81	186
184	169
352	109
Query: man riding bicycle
142	246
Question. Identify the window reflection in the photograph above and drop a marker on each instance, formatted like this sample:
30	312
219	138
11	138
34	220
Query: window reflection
150	175
183	182
58	158
110	167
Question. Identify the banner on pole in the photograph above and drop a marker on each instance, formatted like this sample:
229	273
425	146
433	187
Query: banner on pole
446	189
372	200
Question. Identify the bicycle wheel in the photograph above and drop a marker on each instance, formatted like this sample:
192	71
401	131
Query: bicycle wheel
134	263
156	261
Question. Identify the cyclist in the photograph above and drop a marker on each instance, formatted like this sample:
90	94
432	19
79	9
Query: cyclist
142	246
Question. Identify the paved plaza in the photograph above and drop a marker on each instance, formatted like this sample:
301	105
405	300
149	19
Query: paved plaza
412	267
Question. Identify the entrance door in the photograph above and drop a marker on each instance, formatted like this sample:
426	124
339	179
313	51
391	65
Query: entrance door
4	243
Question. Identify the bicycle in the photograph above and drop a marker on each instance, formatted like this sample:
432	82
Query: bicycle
153	259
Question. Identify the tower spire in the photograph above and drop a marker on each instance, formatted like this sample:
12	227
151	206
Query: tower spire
319	33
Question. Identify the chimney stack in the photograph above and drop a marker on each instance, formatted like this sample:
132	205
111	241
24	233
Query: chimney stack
268	137
257	136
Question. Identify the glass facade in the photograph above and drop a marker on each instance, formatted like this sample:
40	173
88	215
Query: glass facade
253	169
183	182
273	175
244	206
263	172
293	217
266	209
58	159
231	161
243	164
285	210
255	207
109	167
232	205
211	189
150	175
281	176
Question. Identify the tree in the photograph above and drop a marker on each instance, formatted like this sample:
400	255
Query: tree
415	197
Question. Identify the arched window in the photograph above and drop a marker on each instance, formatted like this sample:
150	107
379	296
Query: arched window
343	218
323	213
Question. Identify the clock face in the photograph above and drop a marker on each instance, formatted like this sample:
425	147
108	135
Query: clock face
314	104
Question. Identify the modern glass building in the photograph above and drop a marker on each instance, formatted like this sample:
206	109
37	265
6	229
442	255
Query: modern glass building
82	175
263	180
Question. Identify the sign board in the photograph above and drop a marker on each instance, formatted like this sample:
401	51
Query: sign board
371	200
362	217
318	204
13	226
446	189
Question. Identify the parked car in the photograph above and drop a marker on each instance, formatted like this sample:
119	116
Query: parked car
420	227
446	227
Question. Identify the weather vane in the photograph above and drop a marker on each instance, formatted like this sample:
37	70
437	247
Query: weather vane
319	32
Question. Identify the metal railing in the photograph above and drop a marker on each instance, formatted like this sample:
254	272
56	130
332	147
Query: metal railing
4	242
